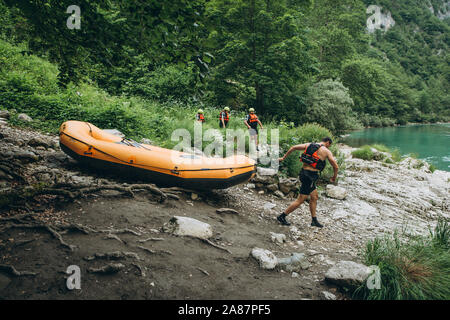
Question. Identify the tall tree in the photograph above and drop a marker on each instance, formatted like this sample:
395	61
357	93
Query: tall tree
261	49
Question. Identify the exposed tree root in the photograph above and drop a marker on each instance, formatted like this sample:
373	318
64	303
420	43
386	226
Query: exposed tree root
116	255
203	271
126	230
13	272
215	245
71	191
45	227
107	269
151	239
141	270
113	236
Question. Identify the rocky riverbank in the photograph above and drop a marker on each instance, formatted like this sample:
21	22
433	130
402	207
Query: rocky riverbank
129	240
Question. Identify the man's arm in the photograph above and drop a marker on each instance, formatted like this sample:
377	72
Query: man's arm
334	164
260	123
246	123
294	148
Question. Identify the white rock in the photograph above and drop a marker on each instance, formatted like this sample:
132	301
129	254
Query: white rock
295	275
185	226
328	295
378	20
269	206
347	274
278	237
24	117
251	185
266	259
296	262
336	192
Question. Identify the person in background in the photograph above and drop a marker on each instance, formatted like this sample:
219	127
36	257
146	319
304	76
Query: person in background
199	116
224	117
252	121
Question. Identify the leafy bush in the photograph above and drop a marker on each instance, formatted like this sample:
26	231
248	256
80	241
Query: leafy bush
330	106
365	153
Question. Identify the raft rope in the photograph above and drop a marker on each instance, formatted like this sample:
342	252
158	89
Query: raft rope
144	165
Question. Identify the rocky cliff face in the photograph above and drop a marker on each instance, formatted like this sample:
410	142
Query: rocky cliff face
443	10
378	19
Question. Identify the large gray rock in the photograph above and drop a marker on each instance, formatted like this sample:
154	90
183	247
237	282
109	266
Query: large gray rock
36	142
347	274
266	259
336	192
4	114
24	117
296	262
287	185
272	187
185	226
264	179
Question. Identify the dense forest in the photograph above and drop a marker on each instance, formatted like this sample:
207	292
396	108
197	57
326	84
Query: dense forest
294	61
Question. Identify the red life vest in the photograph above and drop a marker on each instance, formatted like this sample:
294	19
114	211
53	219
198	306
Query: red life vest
200	117
310	157
226	118
252	118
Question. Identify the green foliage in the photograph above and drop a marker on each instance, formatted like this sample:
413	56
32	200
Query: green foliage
295	61
261	55
365	153
329	104
414	268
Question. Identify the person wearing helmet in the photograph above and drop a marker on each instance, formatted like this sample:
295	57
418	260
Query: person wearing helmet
199	116
252	121
224	117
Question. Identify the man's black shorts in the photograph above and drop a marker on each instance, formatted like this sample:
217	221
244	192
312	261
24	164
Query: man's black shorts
308	179
253	130
221	125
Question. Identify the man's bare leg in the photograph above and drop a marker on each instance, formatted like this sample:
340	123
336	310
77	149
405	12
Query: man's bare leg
314	196
312	207
294	205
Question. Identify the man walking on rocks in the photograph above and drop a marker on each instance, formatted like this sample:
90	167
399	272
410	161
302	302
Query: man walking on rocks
314	160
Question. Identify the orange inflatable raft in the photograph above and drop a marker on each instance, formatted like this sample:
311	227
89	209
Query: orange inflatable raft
104	151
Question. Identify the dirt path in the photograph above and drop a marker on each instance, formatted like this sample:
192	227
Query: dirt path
179	268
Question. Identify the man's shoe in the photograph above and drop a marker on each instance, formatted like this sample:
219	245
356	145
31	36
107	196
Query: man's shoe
316	223
282	219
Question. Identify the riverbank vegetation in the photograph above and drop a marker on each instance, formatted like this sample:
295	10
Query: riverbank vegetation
411	267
